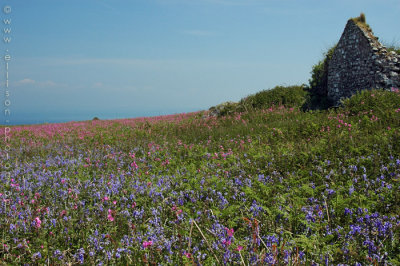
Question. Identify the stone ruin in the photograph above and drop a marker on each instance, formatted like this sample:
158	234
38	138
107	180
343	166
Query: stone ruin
359	62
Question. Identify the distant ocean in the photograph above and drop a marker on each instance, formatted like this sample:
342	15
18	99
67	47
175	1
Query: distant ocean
42	118
26	120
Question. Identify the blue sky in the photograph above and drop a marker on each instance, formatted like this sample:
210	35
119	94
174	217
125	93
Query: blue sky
76	59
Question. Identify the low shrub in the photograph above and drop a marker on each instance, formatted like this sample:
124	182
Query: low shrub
290	96
223	109
383	102
317	97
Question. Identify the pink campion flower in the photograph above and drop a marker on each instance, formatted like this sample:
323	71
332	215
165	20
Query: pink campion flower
105	198
114	202
109	216
147	244
229	231
227	243
134	165
239	248
38	222
134	205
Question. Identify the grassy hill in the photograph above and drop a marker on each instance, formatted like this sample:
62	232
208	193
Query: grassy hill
265	185
290	96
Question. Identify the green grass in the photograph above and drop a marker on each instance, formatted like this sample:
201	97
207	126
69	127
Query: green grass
270	185
288	96
394	48
361	22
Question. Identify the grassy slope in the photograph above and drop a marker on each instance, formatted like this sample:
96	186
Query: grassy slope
293	186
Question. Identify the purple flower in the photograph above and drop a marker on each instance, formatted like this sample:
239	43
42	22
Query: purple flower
330	191
355	229
351	190
348	211
37	255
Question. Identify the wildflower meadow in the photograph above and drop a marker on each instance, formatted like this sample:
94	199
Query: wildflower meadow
267	186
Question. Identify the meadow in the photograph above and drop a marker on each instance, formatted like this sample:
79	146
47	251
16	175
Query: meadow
272	185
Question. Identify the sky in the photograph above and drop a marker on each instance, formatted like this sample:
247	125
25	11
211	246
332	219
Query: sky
76	59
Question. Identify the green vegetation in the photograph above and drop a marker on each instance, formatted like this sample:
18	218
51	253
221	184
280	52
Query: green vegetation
361	18
290	96
264	183
224	109
269	186
317	97
361	22
394	48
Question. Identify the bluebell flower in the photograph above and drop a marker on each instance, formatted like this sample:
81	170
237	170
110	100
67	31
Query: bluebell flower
348	211
37	255
12	228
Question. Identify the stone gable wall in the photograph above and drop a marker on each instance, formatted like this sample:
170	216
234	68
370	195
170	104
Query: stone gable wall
360	62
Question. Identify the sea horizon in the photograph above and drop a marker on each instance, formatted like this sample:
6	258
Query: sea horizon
37	119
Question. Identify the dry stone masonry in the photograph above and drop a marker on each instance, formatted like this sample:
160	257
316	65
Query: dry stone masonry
359	62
